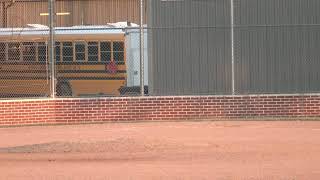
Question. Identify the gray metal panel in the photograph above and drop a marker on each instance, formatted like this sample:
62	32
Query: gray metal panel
277	46
190	47
277	12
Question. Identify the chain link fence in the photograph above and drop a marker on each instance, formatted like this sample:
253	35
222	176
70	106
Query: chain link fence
96	50
190	47
24	66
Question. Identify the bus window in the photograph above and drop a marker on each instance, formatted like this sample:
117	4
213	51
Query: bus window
93	51
80	50
57	51
28	51
42	52
67	52
3	50
118	52
13	51
105	51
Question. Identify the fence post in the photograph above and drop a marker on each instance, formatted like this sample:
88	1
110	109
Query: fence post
141	50
51	46
232	47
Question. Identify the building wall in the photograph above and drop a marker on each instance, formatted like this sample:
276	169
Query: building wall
95	110
82	12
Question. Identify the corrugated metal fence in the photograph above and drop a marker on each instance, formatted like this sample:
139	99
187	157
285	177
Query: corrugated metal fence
274	47
277	46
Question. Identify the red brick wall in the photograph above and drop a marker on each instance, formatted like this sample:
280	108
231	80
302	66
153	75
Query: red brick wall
65	111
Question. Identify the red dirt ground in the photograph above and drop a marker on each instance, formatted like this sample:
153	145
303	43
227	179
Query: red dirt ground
287	150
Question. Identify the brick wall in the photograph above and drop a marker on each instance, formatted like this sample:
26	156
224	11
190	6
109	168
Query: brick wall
67	111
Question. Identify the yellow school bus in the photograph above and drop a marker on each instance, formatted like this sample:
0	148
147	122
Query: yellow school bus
90	60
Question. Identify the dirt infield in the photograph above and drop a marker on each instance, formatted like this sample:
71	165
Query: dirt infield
160	151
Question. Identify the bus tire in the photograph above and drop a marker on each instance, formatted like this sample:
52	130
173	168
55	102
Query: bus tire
64	89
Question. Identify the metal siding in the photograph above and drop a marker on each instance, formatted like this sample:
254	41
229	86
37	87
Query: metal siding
185	36
276	46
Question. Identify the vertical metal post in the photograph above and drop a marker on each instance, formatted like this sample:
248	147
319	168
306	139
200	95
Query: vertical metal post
232	48
51	47
82	13
141	49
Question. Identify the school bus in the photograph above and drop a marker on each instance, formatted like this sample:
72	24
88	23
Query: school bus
90	60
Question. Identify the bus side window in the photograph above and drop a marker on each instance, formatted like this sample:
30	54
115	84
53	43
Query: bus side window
93	51
80	50
67	52
118	52
105	51
14	51
42	52
3	50
57	51
29	51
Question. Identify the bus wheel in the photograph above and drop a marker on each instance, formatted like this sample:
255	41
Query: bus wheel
64	89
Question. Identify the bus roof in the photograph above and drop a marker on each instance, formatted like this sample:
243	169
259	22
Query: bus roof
37	29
